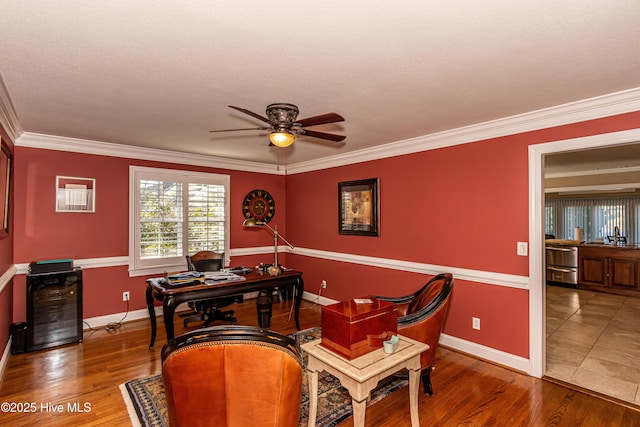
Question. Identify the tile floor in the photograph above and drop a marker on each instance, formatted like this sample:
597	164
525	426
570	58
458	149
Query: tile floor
593	341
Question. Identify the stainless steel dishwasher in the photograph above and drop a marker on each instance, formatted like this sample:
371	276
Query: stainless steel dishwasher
562	265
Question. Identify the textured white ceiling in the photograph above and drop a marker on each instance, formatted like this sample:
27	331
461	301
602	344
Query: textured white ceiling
161	73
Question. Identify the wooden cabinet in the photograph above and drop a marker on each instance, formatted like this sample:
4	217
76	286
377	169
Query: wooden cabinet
609	269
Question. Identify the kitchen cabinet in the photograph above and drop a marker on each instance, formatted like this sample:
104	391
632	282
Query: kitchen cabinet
609	269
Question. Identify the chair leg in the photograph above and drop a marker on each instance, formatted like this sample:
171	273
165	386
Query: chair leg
426	380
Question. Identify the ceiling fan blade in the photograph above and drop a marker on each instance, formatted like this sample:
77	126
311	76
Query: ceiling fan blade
322	135
251	113
321	119
232	130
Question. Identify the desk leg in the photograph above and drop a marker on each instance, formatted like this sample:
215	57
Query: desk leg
414	389
312	382
299	287
359	410
152	316
168	308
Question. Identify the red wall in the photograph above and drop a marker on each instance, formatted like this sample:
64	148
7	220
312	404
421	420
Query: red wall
463	206
6	262
41	233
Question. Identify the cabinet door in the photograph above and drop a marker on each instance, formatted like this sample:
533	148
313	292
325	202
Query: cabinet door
593	271
54	309
623	273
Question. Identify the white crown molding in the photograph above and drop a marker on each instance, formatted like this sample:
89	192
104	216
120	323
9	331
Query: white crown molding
52	142
8	115
589	109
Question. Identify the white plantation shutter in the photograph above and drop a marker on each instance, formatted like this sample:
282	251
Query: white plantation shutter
206	217
174	213
160	218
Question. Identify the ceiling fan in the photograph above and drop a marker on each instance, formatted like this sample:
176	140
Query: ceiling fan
284	126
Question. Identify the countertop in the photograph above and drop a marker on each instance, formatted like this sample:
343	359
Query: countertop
563	242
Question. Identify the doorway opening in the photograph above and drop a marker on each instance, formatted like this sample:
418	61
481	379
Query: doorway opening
538	294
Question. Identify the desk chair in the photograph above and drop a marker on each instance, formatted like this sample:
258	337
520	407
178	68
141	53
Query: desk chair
209	309
421	317
232	376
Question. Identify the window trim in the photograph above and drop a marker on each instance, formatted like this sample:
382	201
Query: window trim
137	267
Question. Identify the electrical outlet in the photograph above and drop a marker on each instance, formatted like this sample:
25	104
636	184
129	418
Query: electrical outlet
523	248
475	323
323	284
125	296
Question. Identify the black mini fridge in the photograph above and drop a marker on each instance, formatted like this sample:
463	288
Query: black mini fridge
54	309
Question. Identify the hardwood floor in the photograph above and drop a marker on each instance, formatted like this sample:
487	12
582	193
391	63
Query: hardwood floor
468	391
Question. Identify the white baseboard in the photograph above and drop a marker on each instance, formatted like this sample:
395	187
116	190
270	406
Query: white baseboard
483	352
100	321
143	313
5	361
477	350
318	299
487	353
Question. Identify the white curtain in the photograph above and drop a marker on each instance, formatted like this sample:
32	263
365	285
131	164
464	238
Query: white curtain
598	217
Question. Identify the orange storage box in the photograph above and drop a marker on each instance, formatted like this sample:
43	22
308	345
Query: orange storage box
356	327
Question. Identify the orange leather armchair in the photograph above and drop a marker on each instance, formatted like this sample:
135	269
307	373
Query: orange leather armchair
233	376
421	316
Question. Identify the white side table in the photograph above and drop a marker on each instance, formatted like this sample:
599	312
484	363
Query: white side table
361	375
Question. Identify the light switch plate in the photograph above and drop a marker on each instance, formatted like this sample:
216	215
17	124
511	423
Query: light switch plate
523	249
475	323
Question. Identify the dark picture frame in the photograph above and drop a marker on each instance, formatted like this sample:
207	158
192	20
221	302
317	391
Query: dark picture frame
5	187
359	207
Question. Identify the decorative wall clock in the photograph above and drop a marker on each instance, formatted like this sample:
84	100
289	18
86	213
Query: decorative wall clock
259	205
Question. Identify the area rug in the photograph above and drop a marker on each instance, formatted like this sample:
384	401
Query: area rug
146	404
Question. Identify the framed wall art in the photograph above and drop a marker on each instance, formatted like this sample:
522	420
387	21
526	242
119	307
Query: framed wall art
5	187
359	207
75	194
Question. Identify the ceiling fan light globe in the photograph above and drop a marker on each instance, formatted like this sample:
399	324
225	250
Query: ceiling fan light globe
281	139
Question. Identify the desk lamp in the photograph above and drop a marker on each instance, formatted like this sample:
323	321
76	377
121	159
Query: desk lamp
274	270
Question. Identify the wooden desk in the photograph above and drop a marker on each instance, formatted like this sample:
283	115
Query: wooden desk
361	375
255	281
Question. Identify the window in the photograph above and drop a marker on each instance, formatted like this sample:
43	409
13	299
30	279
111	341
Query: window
598	217
174	213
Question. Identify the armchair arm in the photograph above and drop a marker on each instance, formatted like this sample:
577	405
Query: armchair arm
395	300
401	302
